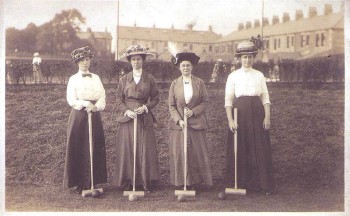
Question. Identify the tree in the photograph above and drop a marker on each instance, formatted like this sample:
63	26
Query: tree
13	39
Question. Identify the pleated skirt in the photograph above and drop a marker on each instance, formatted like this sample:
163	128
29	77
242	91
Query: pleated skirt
254	159
198	166
147	166
77	164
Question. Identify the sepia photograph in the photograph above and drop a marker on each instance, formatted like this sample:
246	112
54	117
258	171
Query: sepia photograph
189	106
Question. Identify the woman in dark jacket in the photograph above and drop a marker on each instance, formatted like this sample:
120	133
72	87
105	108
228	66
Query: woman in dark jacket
188	91
137	94
85	94
246	90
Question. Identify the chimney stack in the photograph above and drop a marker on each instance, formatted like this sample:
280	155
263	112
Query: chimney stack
210	28
248	25
265	21
275	20
328	9
286	17
240	26
312	12
299	14
190	27
257	23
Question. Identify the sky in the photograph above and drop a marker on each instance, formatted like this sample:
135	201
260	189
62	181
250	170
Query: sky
222	15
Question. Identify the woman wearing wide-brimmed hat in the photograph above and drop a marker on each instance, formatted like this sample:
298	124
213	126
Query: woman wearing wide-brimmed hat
85	94
247	91
37	68
137	94
188	91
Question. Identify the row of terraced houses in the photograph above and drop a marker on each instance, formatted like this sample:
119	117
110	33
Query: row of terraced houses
303	37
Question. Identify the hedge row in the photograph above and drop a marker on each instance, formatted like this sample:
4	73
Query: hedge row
326	69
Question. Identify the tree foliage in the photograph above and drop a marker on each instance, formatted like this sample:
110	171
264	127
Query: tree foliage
56	36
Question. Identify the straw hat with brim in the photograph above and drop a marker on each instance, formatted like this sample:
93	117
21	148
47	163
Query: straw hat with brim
246	47
36	54
80	53
185	56
135	50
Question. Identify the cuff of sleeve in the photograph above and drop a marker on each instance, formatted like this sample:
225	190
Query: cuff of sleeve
145	107
86	103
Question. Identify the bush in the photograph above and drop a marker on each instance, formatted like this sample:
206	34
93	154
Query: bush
317	70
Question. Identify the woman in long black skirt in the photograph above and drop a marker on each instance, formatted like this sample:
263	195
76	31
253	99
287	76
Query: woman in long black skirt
246	90
85	94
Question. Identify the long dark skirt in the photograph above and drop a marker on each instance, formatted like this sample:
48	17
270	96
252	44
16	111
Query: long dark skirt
147	167
77	165
198	166
254	160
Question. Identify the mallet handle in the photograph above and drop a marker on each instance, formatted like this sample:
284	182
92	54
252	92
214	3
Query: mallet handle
135	141
235	144
91	149
185	149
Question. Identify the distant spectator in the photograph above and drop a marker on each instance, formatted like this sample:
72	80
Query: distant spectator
218	74
37	68
7	71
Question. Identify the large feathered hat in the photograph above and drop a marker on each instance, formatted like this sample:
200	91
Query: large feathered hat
80	53
178	57
136	50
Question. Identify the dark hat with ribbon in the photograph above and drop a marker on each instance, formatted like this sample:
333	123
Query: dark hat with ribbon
135	50
246	47
185	56
80	53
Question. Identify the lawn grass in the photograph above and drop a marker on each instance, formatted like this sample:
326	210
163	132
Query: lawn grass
306	135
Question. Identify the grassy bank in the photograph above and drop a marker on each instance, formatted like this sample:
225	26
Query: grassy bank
306	136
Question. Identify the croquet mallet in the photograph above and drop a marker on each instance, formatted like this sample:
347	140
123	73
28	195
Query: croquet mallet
87	193
235	190
134	192
185	192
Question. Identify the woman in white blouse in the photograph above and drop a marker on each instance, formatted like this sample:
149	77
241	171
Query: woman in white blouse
246	90
85	94
188	91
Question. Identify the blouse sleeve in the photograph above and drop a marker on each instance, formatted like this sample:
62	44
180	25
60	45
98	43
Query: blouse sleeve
229	91
264	97
72	98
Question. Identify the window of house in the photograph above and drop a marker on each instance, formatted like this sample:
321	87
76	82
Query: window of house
307	40
210	48
204	49
275	44
191	46
302	41
317	40
217	49
165	44
267	44
323	39
287	41
292	41
279	42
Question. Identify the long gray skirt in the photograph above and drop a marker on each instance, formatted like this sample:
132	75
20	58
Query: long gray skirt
198	166
254	160
147	167
77	164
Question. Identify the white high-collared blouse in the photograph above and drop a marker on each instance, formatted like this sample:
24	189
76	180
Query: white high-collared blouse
246	82
81	90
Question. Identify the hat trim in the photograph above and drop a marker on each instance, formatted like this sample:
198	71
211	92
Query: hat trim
136	53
